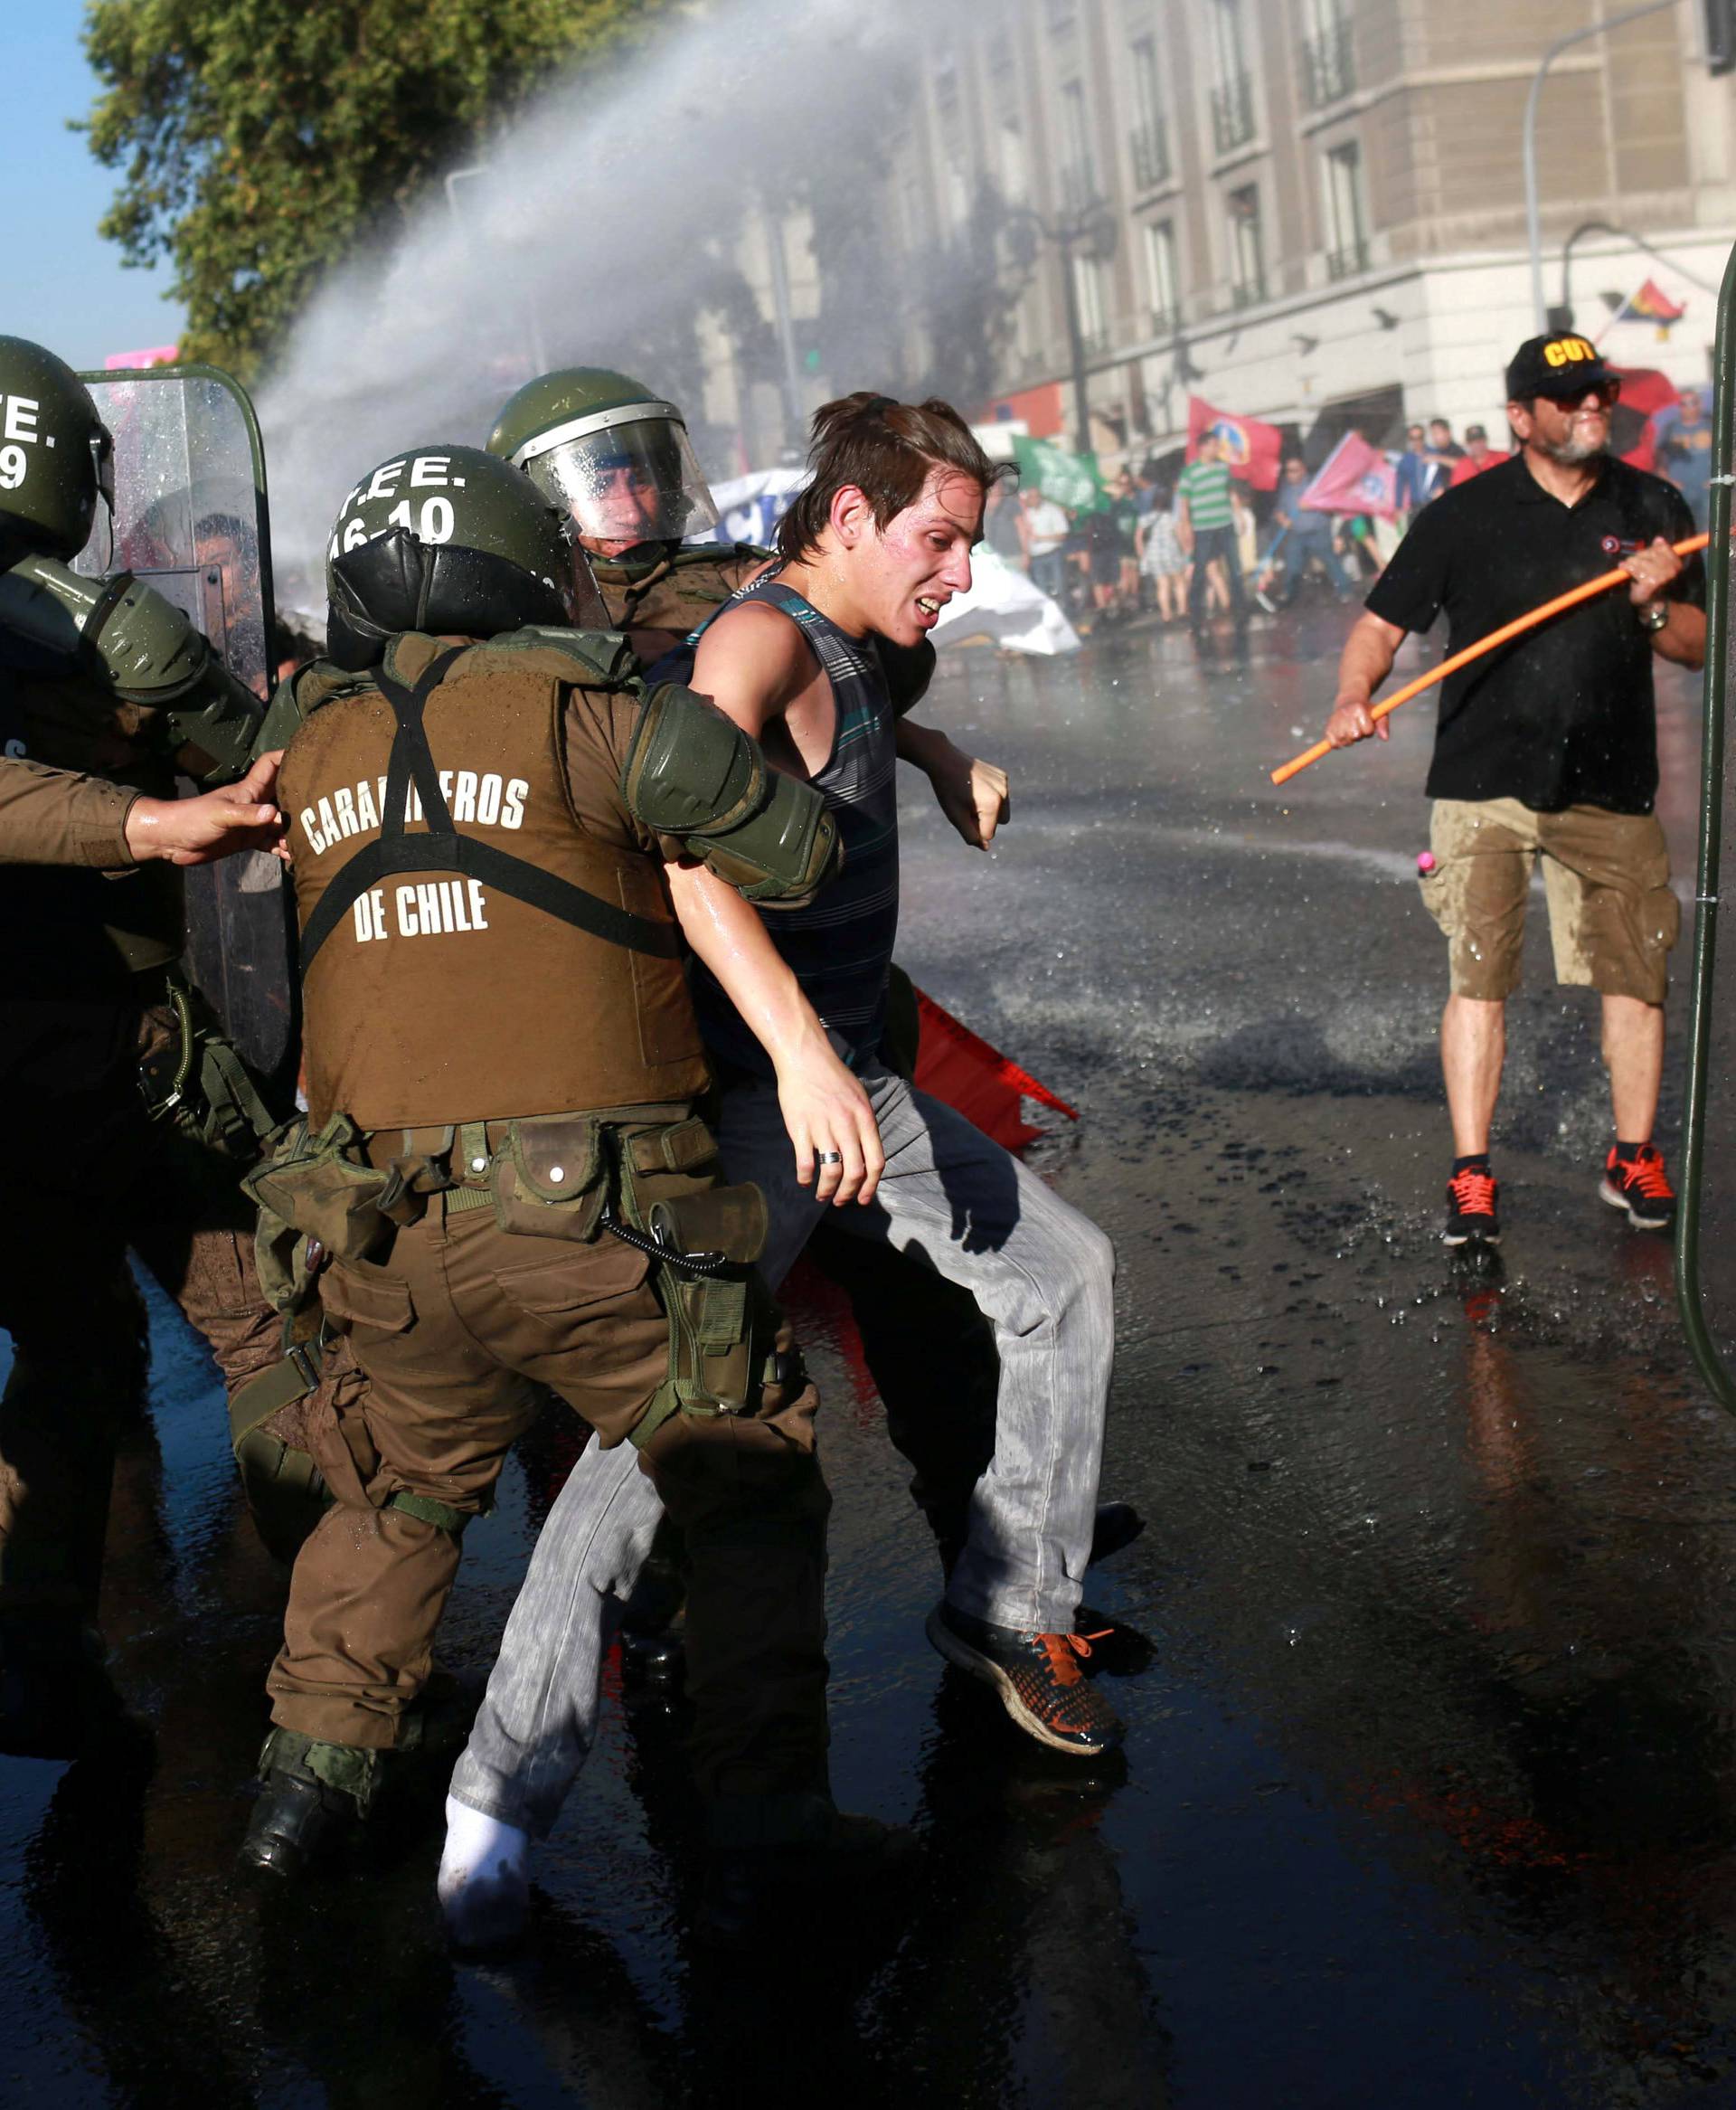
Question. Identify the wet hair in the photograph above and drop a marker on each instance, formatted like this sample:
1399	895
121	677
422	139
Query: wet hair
887	451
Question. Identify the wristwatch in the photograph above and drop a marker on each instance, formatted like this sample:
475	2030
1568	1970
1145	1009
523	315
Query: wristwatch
1654	617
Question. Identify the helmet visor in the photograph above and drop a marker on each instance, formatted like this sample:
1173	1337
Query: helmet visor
584	598
626	483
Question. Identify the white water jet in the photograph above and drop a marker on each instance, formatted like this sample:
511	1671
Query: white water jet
596	226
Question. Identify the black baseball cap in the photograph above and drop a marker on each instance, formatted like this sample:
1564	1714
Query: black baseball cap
1562	367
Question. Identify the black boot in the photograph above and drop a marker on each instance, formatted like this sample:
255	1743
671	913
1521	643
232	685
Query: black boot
773	1856
314	1801
56	1700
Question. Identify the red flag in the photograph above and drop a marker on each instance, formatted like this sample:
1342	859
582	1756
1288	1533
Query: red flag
1633	423
977	1080
1250	448
1653	304
1355	477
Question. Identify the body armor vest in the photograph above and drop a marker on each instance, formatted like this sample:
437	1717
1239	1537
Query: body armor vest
471	949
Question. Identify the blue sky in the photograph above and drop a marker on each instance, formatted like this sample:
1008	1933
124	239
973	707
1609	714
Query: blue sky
64	286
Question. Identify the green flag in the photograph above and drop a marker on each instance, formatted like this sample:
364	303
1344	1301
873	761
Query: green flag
1069	480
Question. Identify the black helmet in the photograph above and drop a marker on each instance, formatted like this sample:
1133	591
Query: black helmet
56	454
450	540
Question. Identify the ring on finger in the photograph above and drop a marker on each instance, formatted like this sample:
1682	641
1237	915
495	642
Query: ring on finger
831	1156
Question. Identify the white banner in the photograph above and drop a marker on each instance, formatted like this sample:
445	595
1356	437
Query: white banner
1002	605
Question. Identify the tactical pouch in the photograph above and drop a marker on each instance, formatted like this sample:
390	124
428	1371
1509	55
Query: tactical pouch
285	1490
190	1074
230	1116
548	1178
705	1239
315	1188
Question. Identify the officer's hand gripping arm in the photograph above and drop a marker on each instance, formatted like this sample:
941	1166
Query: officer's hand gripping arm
692	774
150	653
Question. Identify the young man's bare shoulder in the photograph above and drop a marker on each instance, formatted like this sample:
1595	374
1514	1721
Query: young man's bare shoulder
753	637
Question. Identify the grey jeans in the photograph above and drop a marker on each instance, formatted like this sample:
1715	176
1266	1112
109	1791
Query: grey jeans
1043	1275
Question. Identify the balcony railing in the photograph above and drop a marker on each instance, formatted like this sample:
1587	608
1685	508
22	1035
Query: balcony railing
1232	113
1076	183
1151	162
1347	261
1328	66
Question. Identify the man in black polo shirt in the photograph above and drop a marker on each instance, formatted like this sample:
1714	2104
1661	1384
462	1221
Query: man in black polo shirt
1547	747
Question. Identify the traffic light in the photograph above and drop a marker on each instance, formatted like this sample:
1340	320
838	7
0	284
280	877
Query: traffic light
1721	35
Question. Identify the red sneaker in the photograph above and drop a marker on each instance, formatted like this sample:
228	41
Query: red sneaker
1470	1207
1639	1185
1037	1676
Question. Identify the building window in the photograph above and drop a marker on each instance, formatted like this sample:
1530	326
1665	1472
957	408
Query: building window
1232	96
1015	172
1150	133
1160	269
1093	305
958	196
1078	179
1328	62
1346	212
1247	247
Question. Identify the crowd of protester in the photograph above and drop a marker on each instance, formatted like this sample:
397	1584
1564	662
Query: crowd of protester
1189	547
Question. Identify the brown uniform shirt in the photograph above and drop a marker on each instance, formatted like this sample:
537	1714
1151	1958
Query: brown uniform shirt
437	999
62	817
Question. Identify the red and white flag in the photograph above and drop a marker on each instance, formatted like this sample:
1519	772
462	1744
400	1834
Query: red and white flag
1251	446
1355	477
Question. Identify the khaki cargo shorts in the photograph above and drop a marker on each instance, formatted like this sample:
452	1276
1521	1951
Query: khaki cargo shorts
1612	917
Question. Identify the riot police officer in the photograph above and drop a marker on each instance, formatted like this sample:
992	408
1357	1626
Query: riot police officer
501	1178
128	1112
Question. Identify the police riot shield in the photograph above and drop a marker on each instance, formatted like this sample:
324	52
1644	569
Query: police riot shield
190	517
1705	1249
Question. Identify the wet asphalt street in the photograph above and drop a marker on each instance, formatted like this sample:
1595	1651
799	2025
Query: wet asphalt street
1429	1790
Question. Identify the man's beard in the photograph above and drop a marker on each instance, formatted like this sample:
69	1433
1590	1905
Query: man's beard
1571	453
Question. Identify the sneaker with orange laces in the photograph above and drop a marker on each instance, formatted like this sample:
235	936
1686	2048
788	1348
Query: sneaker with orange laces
1639	1185
1470	1207
1039	1677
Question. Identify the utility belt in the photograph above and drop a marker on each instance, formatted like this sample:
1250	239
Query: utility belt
190	1077
633	1173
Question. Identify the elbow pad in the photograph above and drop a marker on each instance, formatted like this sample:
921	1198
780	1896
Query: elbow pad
692	772
150	653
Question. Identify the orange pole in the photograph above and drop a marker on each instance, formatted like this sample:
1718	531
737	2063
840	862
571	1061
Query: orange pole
1519	625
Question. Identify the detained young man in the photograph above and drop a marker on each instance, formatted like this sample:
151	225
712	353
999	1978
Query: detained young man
876	546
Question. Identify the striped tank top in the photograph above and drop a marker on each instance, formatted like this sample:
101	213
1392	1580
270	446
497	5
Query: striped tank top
840	947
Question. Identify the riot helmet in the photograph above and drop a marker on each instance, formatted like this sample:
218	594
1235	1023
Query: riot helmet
614	455
56	454
449	540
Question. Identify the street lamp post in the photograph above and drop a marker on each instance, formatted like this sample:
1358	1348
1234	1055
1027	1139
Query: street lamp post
1533	235
1091	228
1065	237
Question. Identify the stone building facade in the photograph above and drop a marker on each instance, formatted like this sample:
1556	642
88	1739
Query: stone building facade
1306	209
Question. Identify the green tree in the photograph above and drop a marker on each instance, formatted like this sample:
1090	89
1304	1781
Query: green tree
260	141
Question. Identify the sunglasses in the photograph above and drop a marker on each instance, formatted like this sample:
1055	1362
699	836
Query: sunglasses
1606	392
